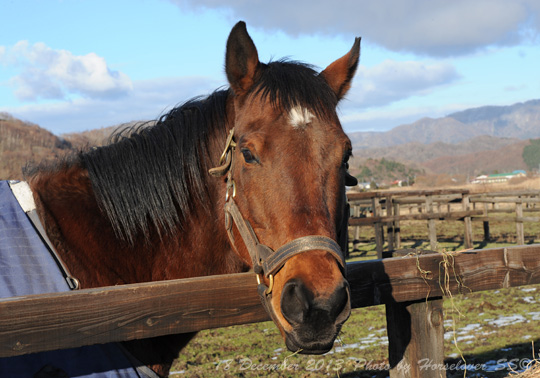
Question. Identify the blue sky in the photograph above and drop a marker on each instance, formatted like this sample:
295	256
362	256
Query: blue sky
75	65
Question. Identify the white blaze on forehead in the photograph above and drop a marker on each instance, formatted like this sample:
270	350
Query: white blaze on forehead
300	117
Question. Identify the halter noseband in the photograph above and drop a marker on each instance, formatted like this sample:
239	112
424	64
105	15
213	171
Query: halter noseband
266	261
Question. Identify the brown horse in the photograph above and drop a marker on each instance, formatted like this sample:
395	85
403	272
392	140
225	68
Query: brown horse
146	208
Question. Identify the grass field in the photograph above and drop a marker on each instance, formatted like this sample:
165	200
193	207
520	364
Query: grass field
487	334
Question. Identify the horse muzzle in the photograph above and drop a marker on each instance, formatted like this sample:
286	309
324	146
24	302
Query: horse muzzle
315	321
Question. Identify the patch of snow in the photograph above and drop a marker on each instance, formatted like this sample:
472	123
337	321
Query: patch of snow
503	321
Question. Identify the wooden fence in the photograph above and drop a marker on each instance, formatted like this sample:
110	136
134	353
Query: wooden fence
390	208
410	287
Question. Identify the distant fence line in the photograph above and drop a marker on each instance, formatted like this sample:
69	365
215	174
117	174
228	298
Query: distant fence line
389	208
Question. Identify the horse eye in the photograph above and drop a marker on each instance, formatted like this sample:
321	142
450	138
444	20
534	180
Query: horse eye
248	156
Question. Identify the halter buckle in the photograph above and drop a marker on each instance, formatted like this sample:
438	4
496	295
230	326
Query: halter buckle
225	160
230	185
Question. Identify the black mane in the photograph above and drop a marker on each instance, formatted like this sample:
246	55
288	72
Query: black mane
153	176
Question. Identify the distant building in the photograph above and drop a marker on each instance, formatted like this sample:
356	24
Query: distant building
498	177
364	185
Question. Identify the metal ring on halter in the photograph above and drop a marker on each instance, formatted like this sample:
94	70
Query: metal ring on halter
229	186
271	284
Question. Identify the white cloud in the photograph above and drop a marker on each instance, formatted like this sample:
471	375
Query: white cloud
391	81
147	101
56	74
427	27
374	87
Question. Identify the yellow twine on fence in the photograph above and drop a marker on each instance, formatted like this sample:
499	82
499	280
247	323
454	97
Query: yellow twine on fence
446	265
532	369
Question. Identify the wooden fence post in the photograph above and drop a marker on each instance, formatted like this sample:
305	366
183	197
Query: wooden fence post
356	212
397	229
390	225
379	230
486	223
467	222
519	223
416	338
431	223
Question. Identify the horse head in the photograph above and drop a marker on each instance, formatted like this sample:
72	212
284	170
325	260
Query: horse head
286	170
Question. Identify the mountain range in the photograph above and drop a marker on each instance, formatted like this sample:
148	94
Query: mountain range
480	140
519	121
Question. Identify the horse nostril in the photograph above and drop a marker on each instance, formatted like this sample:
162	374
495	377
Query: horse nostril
339	301
295	301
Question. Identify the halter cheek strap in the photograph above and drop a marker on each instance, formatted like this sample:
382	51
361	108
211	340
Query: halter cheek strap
266	261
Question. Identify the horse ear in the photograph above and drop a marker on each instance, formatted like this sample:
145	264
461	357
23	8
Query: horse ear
340	73
241	59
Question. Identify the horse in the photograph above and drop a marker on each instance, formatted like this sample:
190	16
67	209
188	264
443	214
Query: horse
251	177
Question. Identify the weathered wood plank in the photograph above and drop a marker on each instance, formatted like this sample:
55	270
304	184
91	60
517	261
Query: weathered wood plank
504	200
352	196
415	335
441	199
62	320
454	215
414	278
531	193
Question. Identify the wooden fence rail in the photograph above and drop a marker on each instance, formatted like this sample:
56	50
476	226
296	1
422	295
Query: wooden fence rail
62	320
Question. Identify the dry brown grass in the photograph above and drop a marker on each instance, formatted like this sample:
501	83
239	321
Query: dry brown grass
532	183
515	184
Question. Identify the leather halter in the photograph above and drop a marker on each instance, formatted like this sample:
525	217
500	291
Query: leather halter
266	261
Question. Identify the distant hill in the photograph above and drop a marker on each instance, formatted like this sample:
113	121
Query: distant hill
99	137
23	141
383	171
507	158
416	152
519	121
487	139
466	143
